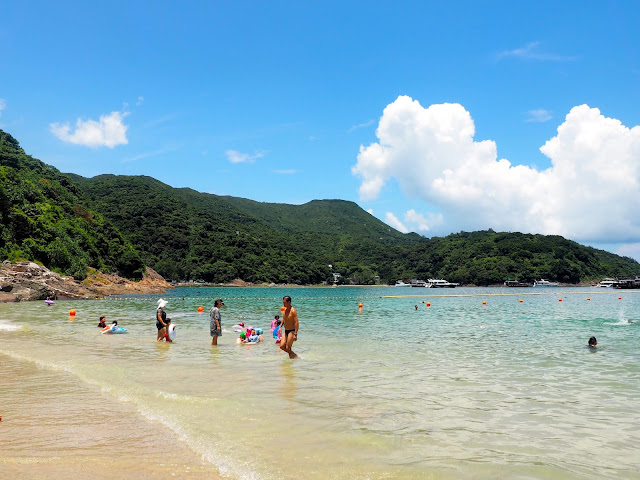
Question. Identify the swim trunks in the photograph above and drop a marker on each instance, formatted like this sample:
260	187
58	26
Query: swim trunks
287	332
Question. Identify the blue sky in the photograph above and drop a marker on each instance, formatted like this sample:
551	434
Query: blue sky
434	116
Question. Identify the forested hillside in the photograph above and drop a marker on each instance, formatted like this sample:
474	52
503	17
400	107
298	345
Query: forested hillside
121	223
45	217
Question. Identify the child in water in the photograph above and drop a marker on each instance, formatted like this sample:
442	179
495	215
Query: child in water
593	342
242	338
277	332
102	323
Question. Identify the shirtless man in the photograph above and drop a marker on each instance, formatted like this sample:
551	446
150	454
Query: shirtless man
290	322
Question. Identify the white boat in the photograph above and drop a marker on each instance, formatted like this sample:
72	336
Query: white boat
543	282
607	283
439	283
418	283
400	283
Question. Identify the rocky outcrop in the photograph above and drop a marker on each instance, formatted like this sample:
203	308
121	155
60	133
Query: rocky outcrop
25	281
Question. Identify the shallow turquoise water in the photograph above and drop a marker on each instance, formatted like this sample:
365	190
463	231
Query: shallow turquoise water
454	390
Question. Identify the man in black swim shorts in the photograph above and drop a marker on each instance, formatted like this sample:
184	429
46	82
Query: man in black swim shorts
290	324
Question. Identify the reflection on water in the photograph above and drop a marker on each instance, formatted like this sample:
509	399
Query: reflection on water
460	389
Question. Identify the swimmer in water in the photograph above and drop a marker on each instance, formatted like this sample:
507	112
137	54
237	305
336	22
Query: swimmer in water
593	343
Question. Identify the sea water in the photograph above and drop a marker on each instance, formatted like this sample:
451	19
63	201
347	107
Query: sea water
475	383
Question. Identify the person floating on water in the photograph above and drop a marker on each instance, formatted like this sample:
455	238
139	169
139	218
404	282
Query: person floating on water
593	343
102	323
215	326
291	325
242	338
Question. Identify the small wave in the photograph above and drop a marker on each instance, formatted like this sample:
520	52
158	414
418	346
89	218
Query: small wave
10	327
184	398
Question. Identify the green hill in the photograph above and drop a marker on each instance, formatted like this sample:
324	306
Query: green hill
120	223
46	218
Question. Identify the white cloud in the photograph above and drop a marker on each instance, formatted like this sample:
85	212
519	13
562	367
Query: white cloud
3	105
588	194
361	125
238	157
532	51
629	250
539	115
140	101
392	220
370	211
109	131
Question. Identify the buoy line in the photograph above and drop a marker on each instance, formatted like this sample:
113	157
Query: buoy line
506	294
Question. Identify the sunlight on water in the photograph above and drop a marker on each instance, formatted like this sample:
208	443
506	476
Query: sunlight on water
456	389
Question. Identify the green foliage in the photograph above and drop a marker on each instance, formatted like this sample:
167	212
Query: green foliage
68	222
46	218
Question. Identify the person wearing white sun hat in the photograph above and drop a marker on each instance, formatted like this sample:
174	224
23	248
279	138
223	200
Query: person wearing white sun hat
161	320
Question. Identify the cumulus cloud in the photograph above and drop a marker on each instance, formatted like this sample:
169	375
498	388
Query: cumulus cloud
238	157
392	220
109	131
539	115
587	194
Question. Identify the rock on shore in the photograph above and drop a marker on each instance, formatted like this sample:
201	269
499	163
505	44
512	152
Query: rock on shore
30	281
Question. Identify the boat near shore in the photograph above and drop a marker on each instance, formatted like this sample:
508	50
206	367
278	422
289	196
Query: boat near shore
440	283
400	283
543	282
515	283
607	283
418	283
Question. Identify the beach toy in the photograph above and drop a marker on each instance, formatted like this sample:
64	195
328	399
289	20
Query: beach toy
282	309
172	332
259	331
114	330
360	305
49	302
201	309
72	312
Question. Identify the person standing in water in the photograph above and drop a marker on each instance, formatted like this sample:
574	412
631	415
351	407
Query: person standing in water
290	325
161	320
216	321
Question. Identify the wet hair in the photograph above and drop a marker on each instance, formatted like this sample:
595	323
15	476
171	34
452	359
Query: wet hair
115	322
218	302
287	298
277	317
102	318
278	322
593	342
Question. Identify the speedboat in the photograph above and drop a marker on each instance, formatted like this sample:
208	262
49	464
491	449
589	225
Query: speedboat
400	283
543	282
439	283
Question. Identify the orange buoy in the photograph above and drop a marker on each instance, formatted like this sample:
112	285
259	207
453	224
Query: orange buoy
559	299
428	304
619	298
72	312
484	303
520	300
360	305
588	298
201	309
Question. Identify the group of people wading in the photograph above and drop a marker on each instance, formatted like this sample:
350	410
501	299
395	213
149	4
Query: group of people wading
289	324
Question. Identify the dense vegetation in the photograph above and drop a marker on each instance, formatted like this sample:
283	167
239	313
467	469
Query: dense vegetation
45	217
184	234
120	223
